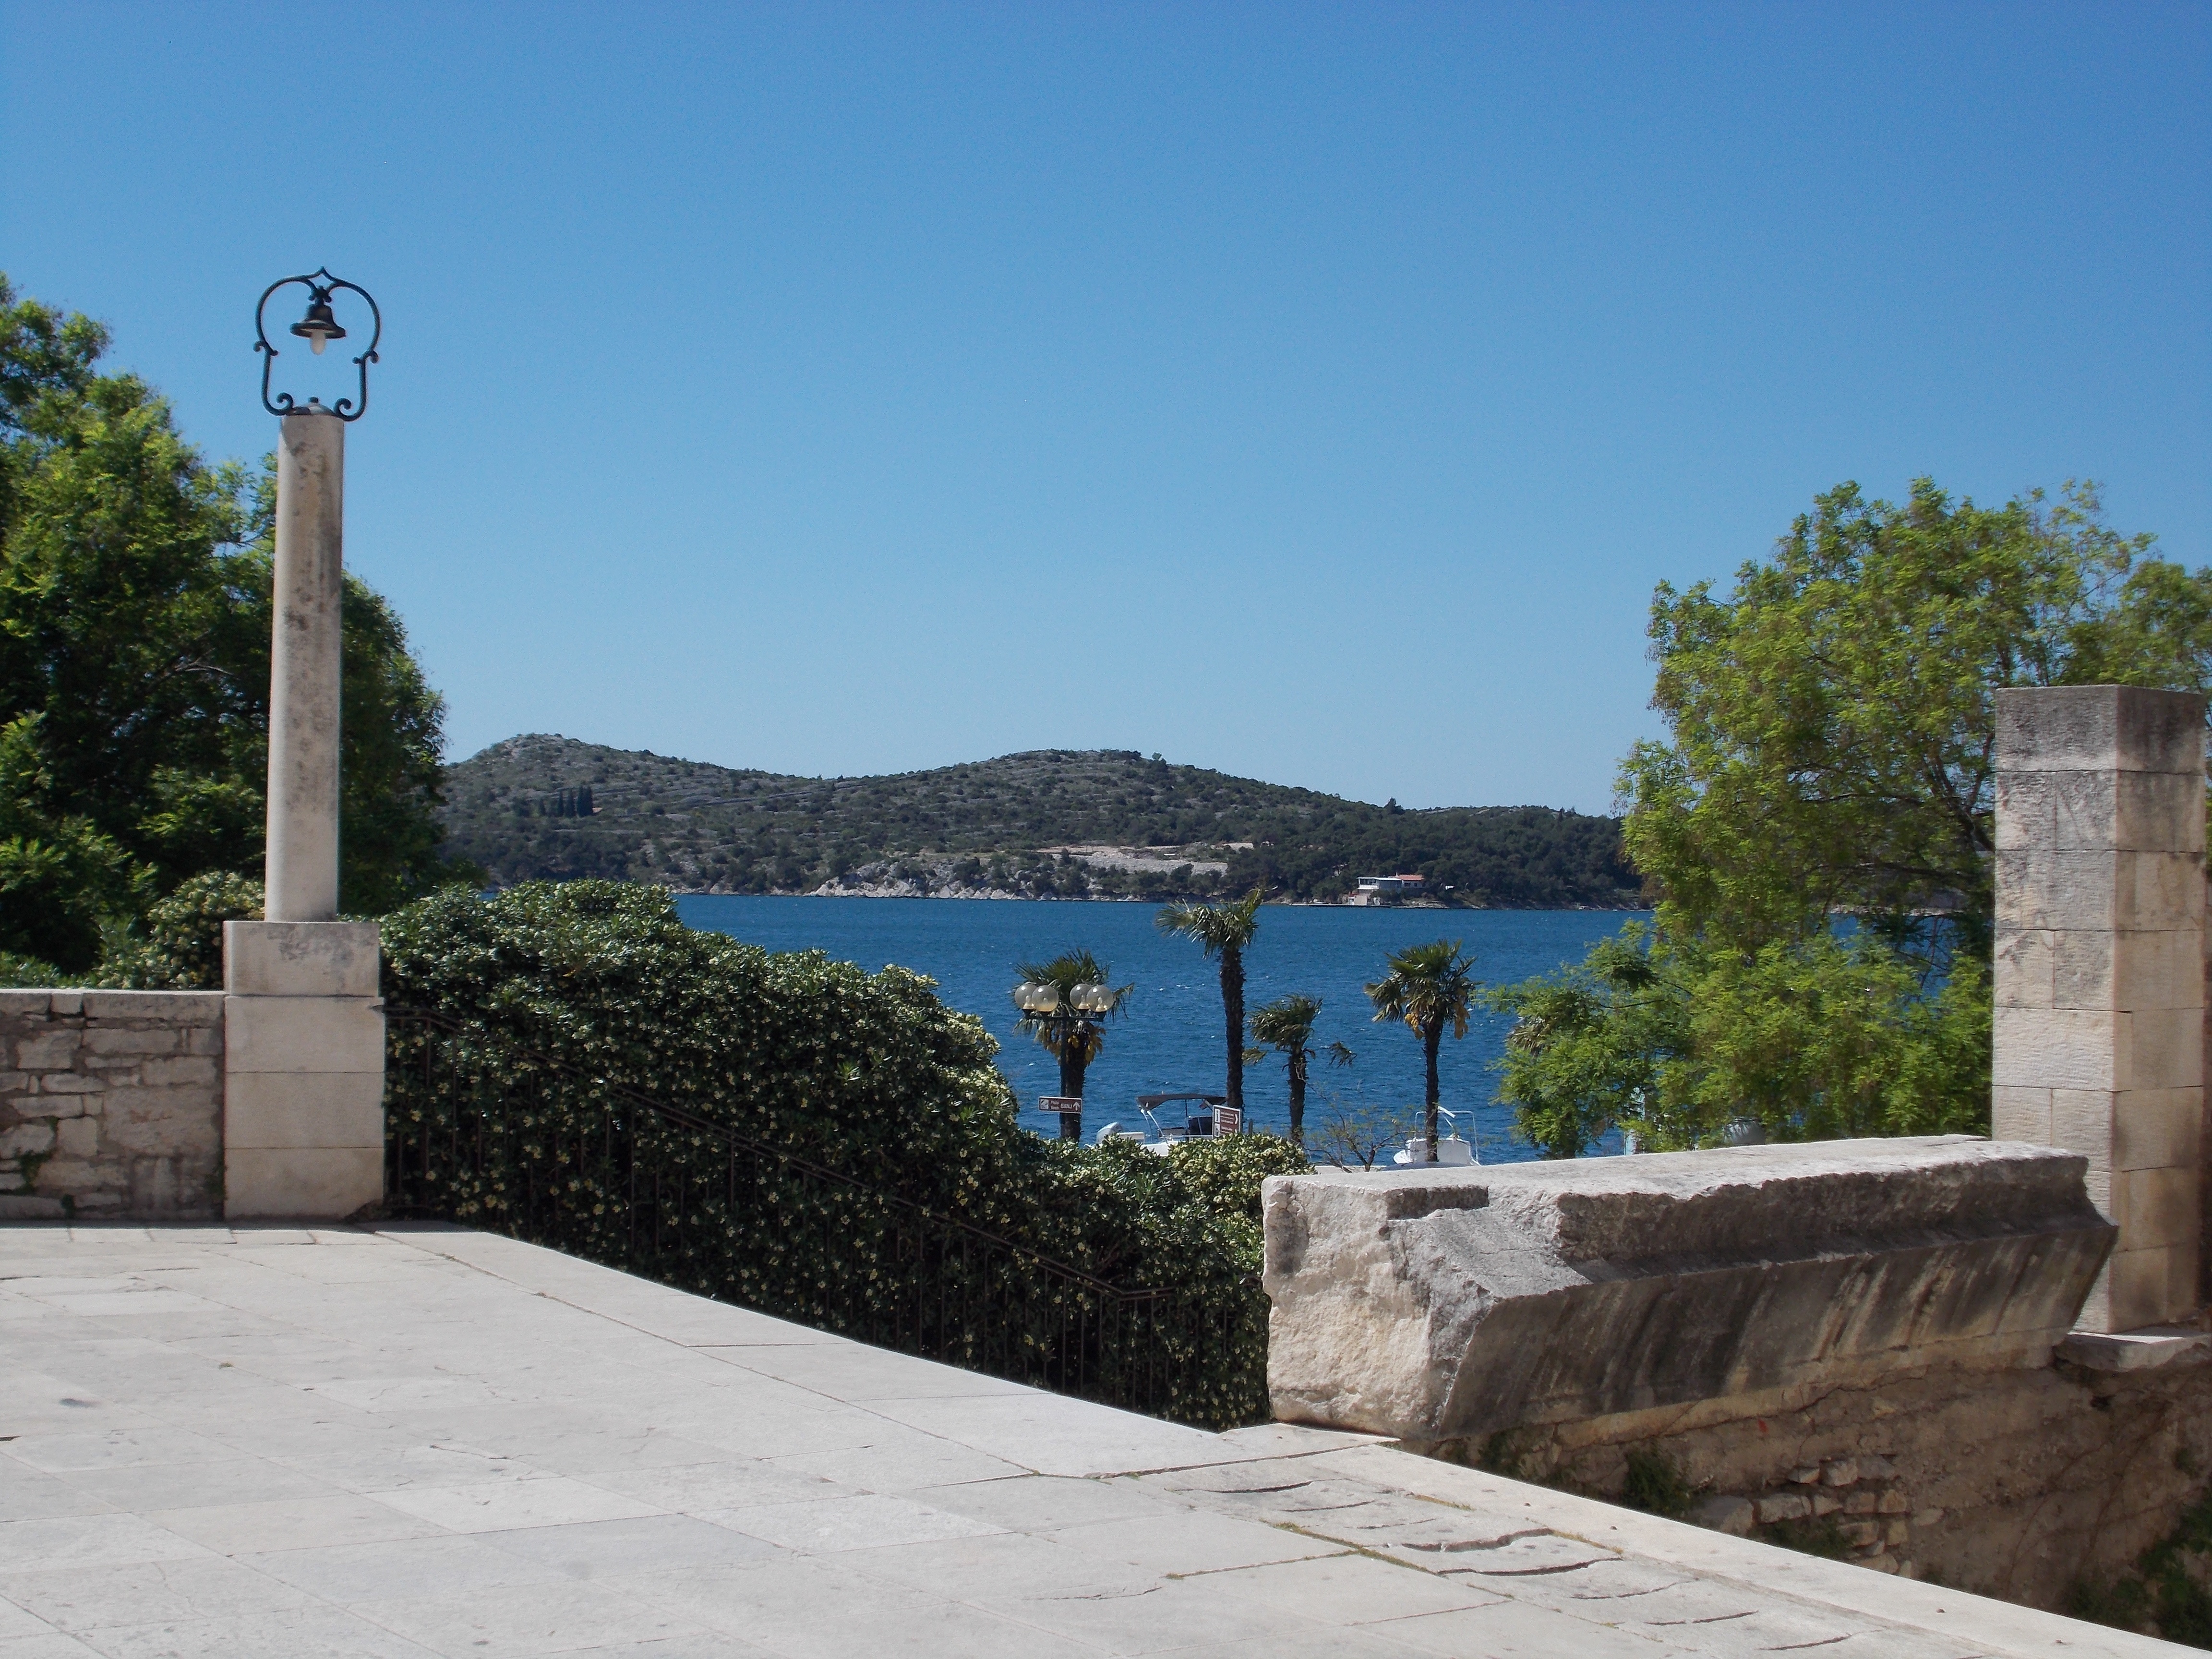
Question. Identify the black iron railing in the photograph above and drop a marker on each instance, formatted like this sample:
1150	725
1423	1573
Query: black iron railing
481	1130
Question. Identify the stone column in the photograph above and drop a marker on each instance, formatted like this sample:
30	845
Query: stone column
303	1029
304	653
2099	968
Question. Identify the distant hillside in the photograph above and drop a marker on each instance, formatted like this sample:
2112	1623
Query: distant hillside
1049	823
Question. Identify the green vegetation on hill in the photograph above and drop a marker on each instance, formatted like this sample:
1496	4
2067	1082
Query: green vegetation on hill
551	808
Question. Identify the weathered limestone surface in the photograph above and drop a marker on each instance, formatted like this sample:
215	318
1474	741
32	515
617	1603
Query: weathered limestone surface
421	1440
2099	1016
111	1104
303	1103
302	875
1438	1305
2016	1483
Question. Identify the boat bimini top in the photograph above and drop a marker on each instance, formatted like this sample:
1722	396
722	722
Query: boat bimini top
1198	1120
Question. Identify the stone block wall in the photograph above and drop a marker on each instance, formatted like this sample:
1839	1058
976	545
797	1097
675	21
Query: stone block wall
2100	1006
303	1062
111	1104
2021	1484
1441	1303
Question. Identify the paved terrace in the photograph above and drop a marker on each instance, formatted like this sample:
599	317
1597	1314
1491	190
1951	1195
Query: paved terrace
406	1441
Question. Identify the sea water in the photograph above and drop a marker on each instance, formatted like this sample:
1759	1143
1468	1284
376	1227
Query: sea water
1171	1038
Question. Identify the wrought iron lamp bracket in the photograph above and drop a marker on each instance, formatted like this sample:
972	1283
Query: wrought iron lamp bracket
321	286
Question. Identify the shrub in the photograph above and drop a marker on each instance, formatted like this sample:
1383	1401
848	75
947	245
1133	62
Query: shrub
1653	1482
21	973
179	945
866	1074
1224	1175
2164	1591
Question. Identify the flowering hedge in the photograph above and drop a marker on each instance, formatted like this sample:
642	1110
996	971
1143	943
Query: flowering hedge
873	1101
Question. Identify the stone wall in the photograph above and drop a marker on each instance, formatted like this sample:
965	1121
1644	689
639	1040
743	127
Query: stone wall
111	1104
1863	1348
2019	1484
1440	1304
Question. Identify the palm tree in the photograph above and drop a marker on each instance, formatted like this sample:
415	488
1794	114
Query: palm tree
1286	1026
1223	930
1428	986
1068	1019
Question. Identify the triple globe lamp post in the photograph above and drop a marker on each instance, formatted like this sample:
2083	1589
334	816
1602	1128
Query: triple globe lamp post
1044	1002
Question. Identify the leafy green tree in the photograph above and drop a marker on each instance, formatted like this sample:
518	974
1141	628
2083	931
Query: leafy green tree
1430	988
135	605
1588	1043
1222	931
1814	1038
1832	720
1286	1026
60	878
1831	754
1071	1035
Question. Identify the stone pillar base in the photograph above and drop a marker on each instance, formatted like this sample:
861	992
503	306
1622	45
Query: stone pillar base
303	1070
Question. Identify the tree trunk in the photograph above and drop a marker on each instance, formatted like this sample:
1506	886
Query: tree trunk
1432	1040
1298	1096
1232	1008
1072	1065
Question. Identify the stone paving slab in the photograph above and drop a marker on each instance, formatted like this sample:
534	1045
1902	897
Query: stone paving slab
413	1440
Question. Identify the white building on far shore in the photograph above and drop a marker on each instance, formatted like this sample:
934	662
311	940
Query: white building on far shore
1388	889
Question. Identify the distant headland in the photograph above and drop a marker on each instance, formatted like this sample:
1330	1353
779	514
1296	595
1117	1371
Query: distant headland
1045	823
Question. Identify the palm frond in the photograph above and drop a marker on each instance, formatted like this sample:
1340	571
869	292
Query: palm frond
1287	1023
1214	928
1428	984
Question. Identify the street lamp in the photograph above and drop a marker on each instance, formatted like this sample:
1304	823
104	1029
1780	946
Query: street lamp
1040	997
302	861
1091	1000
303	1043
317	328
1069	1015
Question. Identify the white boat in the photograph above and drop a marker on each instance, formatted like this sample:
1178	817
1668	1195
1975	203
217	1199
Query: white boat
1451	1149
1176	1119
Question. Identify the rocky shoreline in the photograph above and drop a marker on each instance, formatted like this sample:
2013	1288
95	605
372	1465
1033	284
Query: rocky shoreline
911	890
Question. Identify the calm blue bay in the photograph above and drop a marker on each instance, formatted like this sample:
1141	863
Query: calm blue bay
1171	1037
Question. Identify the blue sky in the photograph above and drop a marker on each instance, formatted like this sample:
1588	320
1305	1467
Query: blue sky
1312	392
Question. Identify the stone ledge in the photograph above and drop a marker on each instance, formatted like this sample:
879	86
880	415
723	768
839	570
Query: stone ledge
169	1007
184	1009
1443	1304
2098	728
2134	1350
